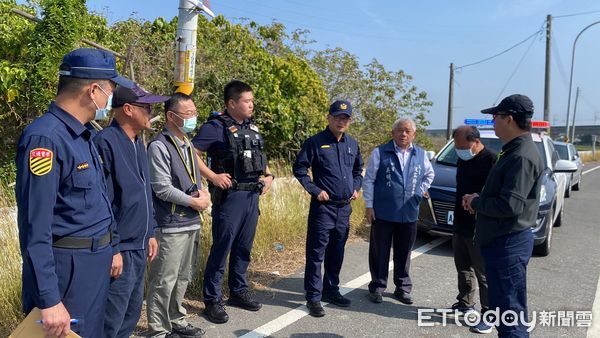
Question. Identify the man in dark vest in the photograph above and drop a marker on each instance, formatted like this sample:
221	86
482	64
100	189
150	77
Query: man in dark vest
336	164
237	175
397	178
178	201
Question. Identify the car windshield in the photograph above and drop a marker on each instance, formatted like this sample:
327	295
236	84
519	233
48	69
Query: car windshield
563	153
449	157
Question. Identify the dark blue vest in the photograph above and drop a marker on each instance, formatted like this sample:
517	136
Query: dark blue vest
168	214
397	194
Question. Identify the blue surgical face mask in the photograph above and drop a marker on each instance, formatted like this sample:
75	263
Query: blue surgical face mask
189	125
465	154
102	113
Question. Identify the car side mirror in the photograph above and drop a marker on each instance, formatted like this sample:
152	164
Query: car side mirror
430	154
564	166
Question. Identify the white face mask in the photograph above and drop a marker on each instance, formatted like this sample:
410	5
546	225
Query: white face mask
102	113
465	154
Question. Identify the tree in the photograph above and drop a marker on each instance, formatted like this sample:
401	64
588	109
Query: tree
379	96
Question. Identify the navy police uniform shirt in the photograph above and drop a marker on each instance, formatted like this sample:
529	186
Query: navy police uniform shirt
212	135
60	191
336	166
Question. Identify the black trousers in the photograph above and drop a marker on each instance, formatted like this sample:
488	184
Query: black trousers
470	269
383	234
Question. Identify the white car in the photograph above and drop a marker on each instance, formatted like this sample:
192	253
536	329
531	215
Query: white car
567	151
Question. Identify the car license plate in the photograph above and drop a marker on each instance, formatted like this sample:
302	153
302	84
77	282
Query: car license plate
450	218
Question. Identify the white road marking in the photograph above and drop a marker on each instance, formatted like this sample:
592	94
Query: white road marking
594	330
301	311
590	170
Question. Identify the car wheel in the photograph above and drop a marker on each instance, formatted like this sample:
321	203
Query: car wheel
558	221
568	190
543	249
578	184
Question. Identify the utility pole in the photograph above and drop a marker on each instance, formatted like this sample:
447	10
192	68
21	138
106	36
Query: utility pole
547	72
571	76
574	113
450	102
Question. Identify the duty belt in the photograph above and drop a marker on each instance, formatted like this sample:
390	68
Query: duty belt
248	186
92	243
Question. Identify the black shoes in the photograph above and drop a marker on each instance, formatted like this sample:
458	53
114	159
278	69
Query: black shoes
375	297
244	300
336	298
188	331
315	309
215	312
402	296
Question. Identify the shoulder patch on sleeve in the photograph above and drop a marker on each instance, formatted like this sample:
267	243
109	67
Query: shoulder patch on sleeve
40	161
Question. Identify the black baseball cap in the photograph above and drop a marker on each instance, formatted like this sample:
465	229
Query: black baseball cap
340	107
516	104
137	94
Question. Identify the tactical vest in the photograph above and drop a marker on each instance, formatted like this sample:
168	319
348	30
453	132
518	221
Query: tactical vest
396	192
171	215
244	159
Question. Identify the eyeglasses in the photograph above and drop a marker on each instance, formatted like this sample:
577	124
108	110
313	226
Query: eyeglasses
146	107
496	115
187	113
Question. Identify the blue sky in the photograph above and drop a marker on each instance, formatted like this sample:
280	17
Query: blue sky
424	37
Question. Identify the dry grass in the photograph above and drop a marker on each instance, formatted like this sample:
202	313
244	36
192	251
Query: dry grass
10	263
589	157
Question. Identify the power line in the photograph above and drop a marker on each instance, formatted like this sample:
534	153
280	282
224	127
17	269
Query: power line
504	51
574	14
300	24
514	71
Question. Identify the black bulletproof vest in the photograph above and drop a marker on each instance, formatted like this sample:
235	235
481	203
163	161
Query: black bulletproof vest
245	159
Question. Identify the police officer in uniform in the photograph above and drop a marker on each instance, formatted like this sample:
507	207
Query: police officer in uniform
64	215
237	175
336	165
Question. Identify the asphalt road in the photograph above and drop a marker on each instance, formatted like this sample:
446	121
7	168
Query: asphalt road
566	280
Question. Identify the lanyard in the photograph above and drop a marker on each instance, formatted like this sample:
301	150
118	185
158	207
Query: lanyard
192	172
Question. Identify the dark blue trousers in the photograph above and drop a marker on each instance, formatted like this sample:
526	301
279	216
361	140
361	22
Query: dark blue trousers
125	296
233	228
383	234
326	237
506	261
83	280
